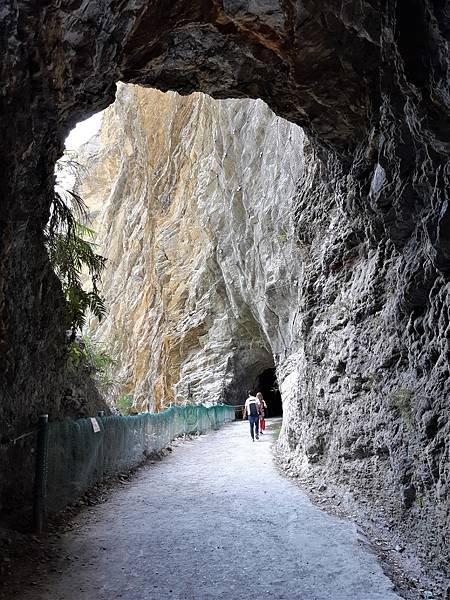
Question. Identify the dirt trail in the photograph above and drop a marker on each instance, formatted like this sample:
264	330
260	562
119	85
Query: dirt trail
214	520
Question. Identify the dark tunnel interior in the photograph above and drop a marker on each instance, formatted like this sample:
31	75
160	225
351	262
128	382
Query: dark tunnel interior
267	384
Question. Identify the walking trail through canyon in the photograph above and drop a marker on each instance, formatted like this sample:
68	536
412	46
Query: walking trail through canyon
214	520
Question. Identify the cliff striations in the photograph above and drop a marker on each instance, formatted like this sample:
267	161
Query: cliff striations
193	202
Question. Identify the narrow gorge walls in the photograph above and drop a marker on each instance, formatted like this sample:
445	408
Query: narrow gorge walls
360	336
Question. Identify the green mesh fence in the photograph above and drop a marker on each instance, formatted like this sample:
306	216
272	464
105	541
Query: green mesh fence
78	456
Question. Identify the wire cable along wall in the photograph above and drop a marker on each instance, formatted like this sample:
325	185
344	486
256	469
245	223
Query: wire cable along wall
80	453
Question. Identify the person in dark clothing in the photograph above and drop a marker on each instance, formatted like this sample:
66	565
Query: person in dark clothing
251	408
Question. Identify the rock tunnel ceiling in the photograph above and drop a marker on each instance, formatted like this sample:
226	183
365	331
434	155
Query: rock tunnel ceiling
366	385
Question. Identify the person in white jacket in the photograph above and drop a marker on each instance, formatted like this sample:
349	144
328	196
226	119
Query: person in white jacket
251	408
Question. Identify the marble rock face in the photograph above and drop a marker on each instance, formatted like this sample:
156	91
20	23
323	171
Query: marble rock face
193	201
232	248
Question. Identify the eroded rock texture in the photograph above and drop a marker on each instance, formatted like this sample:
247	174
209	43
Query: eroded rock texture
366	384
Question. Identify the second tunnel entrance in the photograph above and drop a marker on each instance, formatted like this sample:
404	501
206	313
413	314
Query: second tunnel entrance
267	384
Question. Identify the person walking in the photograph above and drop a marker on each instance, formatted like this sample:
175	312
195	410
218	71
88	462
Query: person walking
262	413
251	408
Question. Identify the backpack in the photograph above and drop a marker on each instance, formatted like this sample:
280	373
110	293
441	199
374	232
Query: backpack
253	408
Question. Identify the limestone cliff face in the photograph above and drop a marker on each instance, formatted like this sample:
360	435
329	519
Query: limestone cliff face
232	248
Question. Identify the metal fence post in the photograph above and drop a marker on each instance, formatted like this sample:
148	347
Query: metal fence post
40	481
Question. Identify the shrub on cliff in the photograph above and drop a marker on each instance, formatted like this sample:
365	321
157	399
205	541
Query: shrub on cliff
96	357
72	254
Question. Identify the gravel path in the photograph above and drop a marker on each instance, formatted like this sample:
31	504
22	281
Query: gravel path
214	520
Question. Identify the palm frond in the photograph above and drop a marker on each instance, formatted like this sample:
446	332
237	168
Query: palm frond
71	252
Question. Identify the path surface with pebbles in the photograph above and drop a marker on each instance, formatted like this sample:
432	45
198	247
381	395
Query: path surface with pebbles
213	520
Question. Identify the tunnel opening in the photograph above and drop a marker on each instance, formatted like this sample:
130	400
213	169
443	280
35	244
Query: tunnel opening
175	373
267	384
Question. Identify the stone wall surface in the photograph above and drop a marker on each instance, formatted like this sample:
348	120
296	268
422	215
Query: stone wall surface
230	250
365	382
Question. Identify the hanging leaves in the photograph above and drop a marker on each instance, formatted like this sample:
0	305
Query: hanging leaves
72	253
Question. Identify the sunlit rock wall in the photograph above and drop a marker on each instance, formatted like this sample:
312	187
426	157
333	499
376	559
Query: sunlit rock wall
194	263
233	247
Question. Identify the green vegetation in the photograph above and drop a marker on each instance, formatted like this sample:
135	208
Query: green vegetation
72	253
276	432
97	358
125	404
401	399
74	259
282	235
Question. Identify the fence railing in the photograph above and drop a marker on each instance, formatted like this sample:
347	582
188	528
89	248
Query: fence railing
74	455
